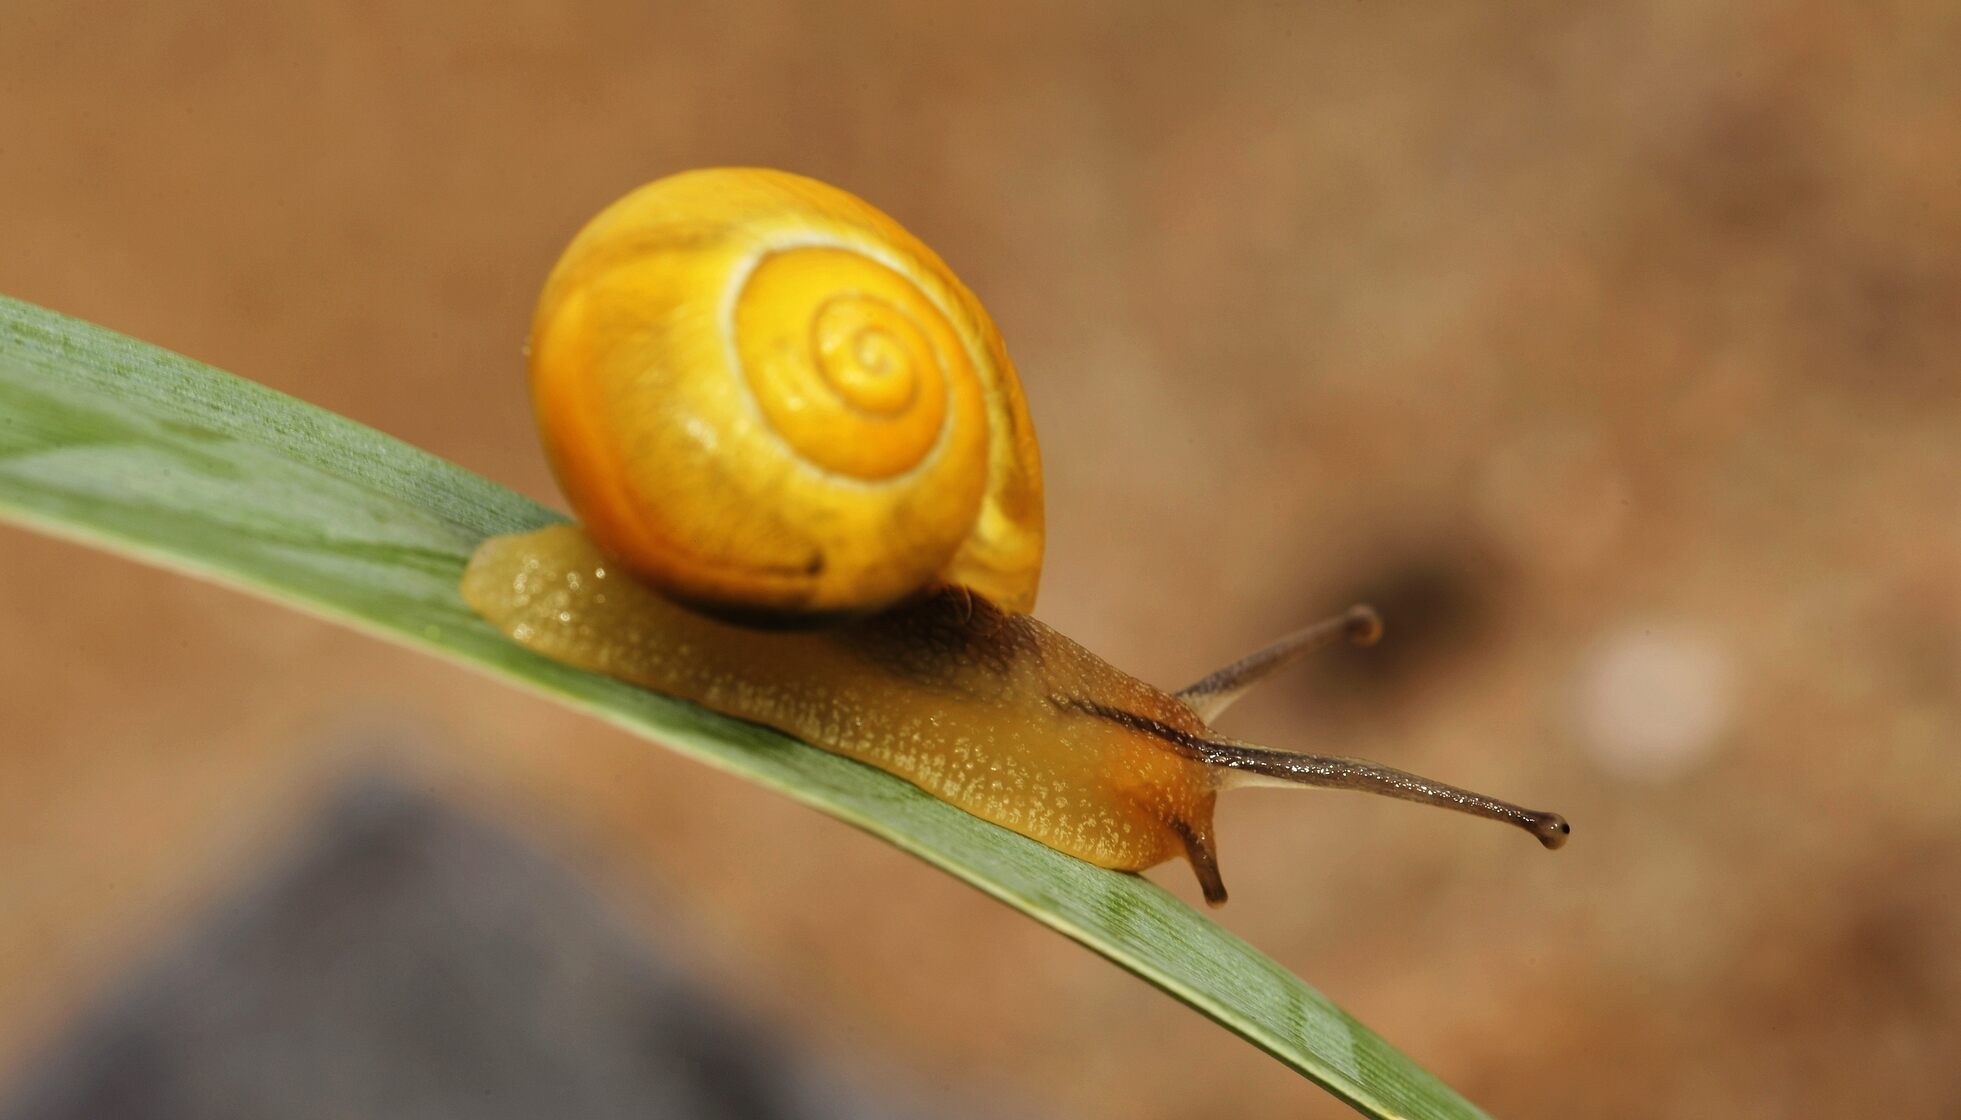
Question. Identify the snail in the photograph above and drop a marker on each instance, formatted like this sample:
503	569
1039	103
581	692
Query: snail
809	496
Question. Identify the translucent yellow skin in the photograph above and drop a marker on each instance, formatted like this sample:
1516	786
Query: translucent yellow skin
991	711
765	397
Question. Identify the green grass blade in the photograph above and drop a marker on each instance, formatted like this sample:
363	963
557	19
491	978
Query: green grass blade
120	444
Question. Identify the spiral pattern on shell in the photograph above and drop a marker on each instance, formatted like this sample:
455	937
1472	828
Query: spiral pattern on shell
768	399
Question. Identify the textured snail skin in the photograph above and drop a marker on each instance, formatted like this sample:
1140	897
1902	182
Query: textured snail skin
988	710
991	711
763	396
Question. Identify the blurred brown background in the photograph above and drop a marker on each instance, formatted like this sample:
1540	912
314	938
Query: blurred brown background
1611	349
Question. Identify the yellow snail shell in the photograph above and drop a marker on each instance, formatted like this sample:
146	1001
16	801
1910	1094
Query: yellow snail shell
764	397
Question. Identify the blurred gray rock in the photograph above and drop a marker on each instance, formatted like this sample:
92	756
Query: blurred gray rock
412	963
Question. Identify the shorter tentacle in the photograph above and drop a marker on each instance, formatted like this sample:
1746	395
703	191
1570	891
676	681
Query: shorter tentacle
1359	624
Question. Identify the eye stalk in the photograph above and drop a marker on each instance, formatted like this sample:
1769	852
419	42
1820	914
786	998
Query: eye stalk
1257	766
1245	764
1359	625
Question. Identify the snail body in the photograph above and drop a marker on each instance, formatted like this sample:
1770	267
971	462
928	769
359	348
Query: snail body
809	497
962	699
